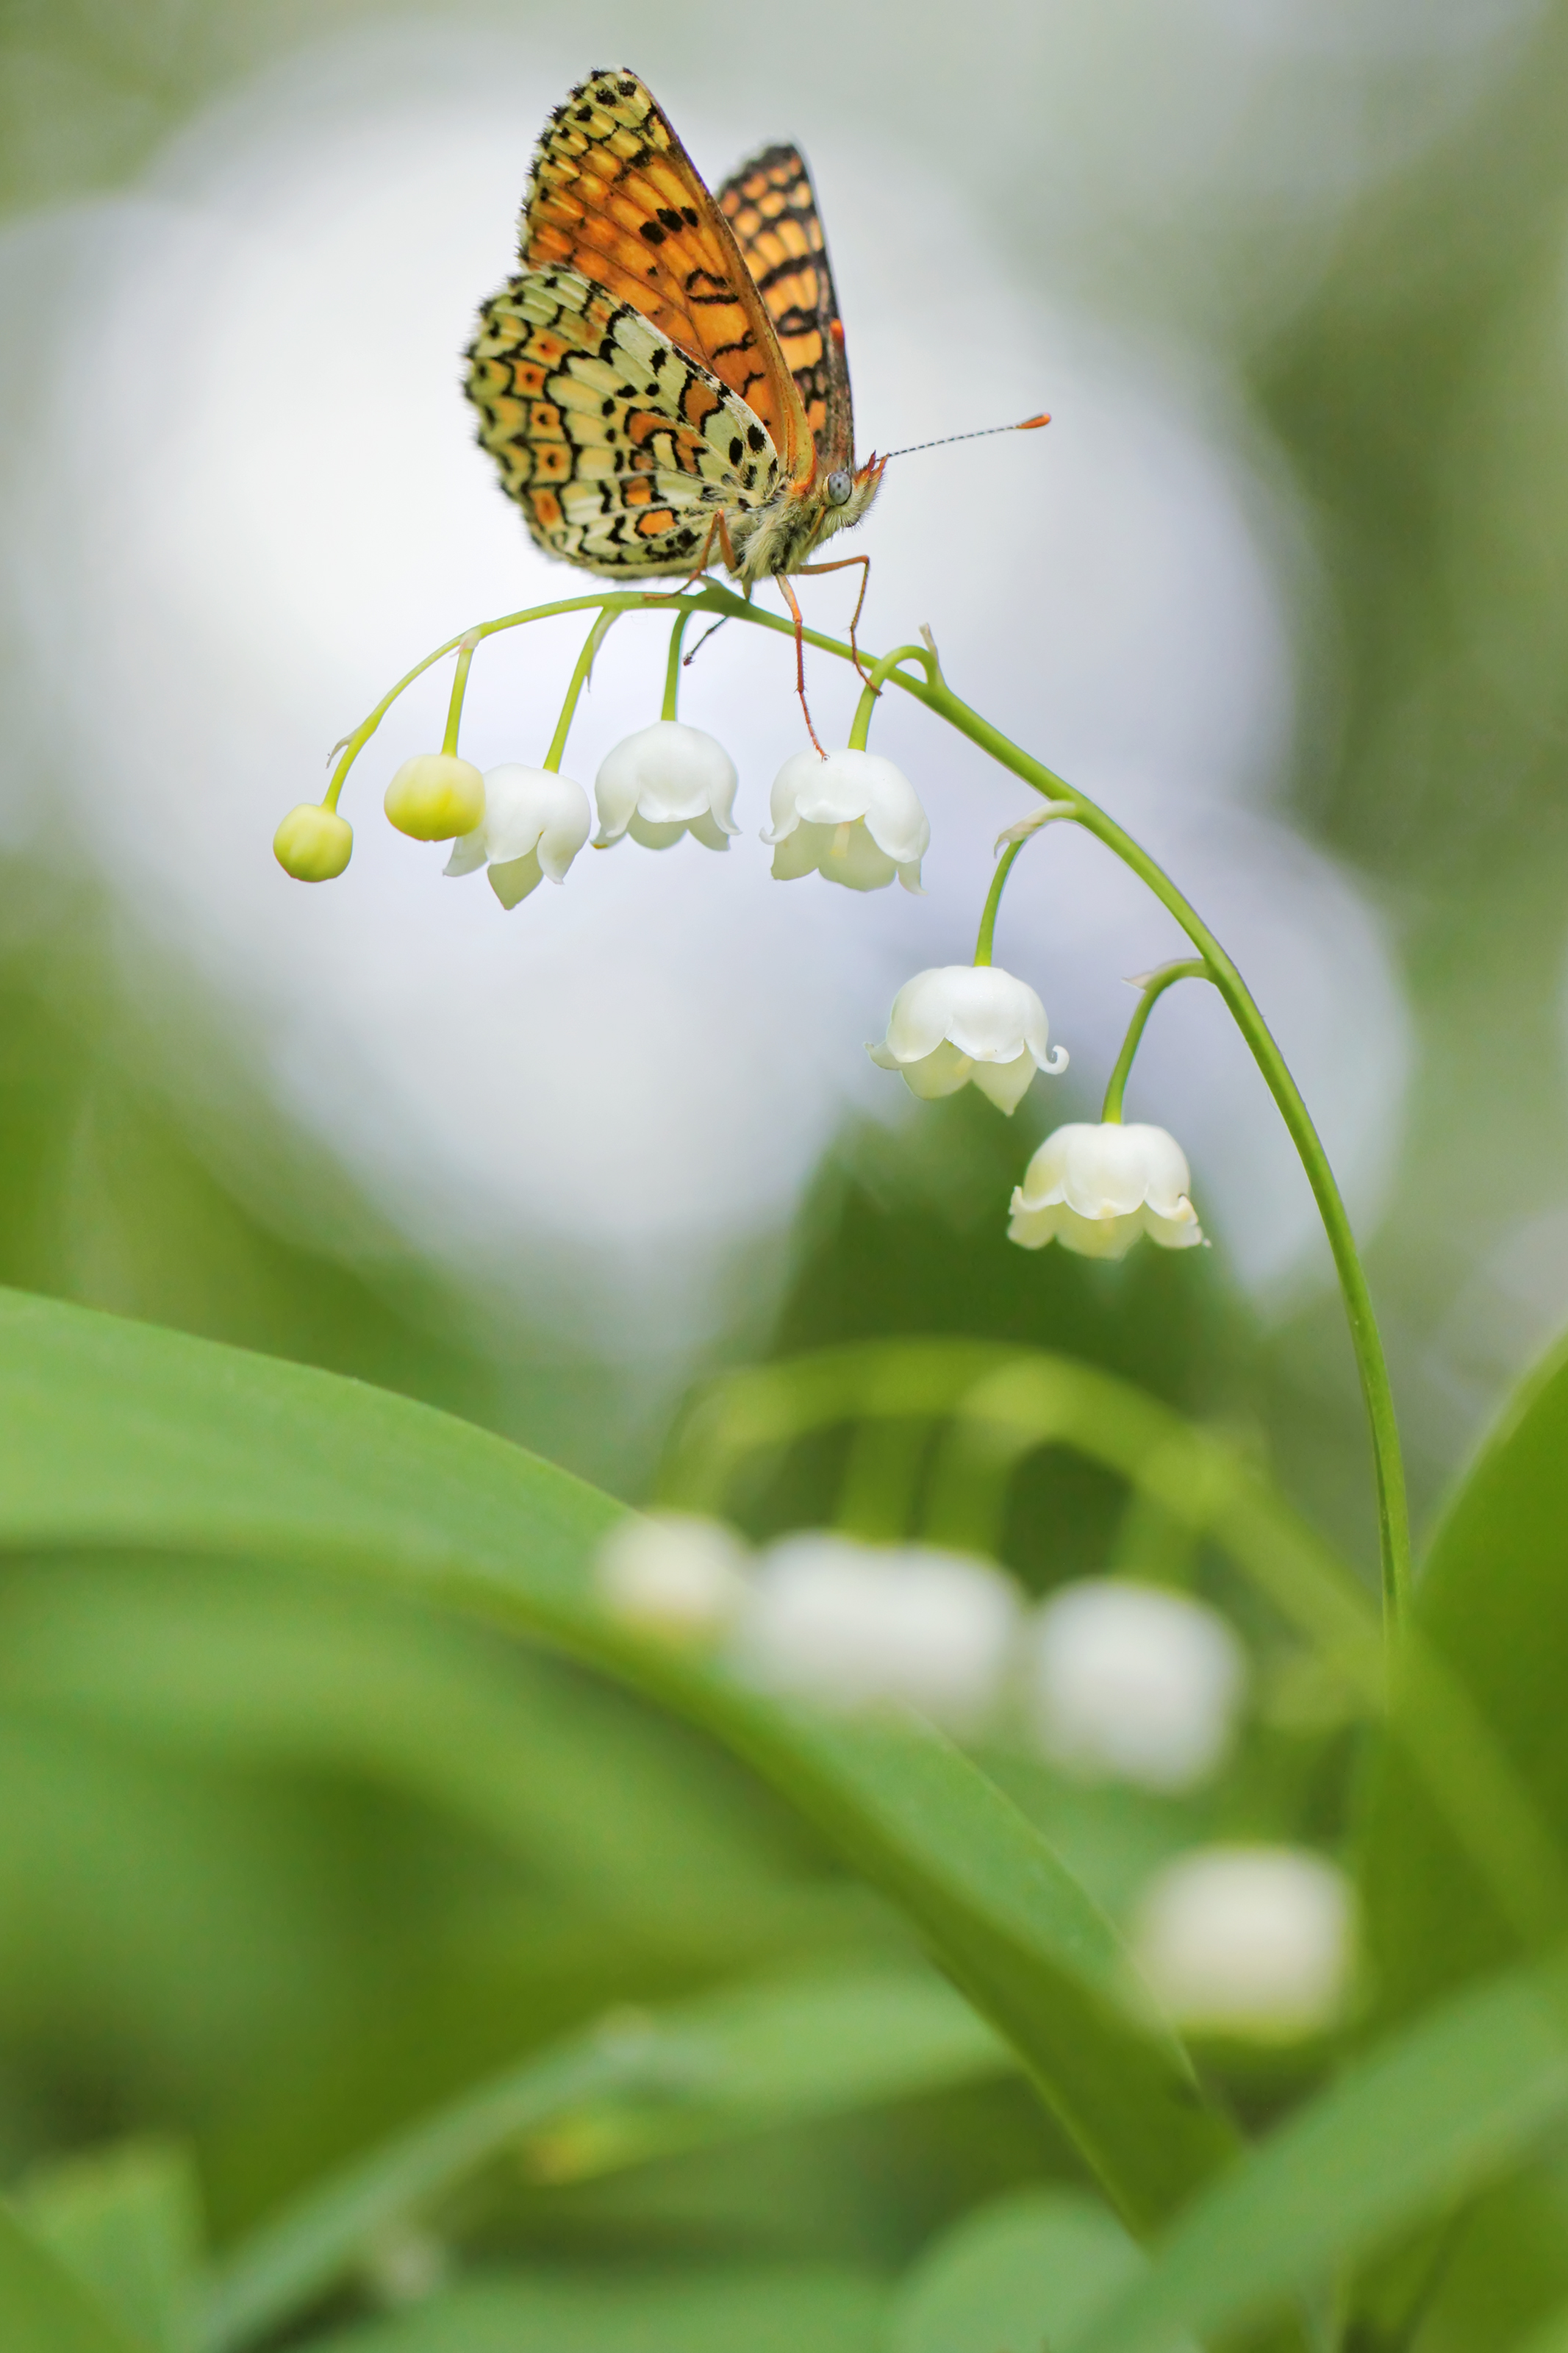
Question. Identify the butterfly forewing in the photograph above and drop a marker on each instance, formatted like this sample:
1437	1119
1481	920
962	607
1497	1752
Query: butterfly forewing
614	197
619	448
771	206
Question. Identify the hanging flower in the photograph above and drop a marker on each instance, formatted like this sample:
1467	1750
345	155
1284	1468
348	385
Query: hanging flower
434	796
534	824
674	1576
664	781
853	817
960	1022
854	1626
1128	1681
1096	1188
1256	1941
313	843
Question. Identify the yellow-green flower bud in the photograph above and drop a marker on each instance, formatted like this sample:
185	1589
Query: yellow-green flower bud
436	795
313	843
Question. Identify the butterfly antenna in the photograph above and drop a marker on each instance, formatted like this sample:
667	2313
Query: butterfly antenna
1029	424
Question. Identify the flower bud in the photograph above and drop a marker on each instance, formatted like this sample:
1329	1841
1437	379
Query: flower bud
1248	1940
313	843
675	1576
434	796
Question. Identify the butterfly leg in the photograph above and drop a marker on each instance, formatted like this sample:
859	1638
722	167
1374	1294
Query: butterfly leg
790	599
843	564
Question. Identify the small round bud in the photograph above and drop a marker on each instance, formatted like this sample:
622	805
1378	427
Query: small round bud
436	795
313	843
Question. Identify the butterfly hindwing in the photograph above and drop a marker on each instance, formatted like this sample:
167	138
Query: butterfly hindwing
615	197
619	448
771	206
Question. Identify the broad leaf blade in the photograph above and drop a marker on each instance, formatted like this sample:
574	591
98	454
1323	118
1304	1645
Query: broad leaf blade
125	2222
116	1434
42	2309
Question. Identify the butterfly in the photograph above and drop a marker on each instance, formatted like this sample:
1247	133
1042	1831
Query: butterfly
664	384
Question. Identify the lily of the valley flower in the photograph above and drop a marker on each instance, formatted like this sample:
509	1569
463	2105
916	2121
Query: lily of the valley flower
1254	1941
534	824
962	1022
673	1576
1096	1188
854	1626
853	817
664	781
1128	1681
434	795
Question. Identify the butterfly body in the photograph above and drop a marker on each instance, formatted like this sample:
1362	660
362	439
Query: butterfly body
664	385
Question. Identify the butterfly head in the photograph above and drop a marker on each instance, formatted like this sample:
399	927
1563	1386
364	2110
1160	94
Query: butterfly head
836	501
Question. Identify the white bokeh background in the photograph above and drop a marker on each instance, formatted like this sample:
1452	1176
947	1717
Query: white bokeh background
605	1095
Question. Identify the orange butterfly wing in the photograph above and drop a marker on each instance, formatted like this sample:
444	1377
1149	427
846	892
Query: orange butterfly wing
615	196
772	207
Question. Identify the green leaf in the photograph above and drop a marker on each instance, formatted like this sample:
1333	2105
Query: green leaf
736	2062
761	2310
116	1435
1029	2270
1423	2120
125	2222
1492	1608
42	2309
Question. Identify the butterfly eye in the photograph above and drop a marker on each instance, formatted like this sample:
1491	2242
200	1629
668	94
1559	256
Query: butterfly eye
840	486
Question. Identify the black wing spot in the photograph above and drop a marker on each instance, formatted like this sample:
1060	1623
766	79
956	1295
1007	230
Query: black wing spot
652	231
607	407
757	438
661	354
689	212
627	88
737	451
670	219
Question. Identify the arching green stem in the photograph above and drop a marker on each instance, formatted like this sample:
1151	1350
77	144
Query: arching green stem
875	679
460	688
1152	989
932	688
580	677
672	666
994	900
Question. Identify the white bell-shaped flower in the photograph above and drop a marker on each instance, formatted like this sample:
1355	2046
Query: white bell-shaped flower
534	824
1095	1189
960	1022
675	1575
1252	1941
1126	1682
664	781
853	817
854	1626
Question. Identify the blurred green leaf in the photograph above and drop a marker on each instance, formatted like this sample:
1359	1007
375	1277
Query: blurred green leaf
1493	1606
762	2311
634	2086
1027	2271
1425	2117
118	1434
126	2222
42	2307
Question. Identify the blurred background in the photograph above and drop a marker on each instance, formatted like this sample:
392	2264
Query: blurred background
1283	586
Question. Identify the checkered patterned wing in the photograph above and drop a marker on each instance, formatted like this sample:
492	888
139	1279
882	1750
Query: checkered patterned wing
771	206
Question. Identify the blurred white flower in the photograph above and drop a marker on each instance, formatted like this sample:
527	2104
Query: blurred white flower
664	781
851	1625
1095	1189
1134	1683
1248	1940
534	824
853	817
960	1022
672	1574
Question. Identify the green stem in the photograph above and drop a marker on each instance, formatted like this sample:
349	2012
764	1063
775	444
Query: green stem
1151	990
879	675
579	676
460	688
672	666
932	688
994	900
